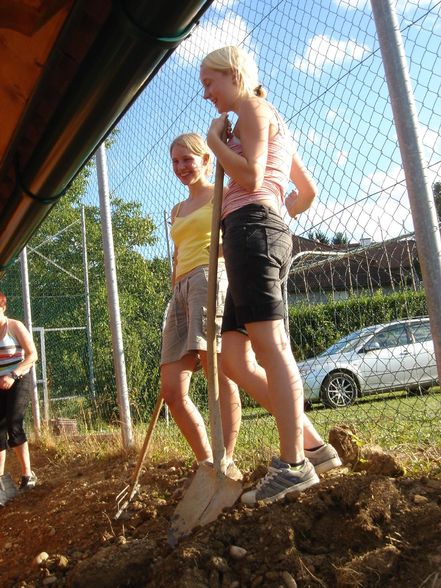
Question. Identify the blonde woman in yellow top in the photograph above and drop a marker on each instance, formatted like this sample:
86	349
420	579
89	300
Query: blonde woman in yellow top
184	344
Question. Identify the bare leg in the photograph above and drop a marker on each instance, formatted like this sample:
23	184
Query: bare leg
285	387
287	391
2	461
175	385
230	406
242	367
22	453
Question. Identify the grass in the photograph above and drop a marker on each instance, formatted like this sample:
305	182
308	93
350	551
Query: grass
408	426
388	421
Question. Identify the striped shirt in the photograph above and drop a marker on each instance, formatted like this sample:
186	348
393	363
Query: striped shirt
277	172
11	353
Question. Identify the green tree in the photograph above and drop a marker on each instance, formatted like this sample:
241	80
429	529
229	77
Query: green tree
319	236
58	300
436	189
340	238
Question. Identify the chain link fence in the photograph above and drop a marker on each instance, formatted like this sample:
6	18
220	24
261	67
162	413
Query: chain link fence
355	260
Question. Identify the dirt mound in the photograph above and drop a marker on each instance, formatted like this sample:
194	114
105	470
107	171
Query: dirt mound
355	529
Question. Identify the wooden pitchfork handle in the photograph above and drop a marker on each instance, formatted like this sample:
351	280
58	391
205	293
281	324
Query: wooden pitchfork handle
146	444
217	438
127	494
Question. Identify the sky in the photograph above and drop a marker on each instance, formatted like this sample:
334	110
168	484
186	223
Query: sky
321	65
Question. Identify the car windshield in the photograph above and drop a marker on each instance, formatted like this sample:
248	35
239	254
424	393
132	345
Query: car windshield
350	342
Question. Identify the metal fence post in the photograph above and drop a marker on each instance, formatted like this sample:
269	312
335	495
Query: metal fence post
421	199
87	300
113	298
28	323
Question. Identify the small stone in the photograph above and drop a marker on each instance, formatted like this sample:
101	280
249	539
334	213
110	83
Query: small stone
49	580
237	552
63	562
106	536
419	499
289	580
272	575
8	545
121	540
77	554
40	558
51	531
220	564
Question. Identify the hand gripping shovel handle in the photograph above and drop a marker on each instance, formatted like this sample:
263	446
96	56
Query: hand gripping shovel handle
217	438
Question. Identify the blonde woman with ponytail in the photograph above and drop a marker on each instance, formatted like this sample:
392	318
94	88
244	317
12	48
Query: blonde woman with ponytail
260	160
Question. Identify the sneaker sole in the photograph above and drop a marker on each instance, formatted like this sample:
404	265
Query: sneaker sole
297	489
329	464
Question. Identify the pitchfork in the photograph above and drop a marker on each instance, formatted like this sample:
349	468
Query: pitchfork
130	490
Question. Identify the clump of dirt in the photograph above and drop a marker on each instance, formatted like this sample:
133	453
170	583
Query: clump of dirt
354	529
361	457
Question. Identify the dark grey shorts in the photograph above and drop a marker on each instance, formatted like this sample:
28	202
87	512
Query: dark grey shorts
257	247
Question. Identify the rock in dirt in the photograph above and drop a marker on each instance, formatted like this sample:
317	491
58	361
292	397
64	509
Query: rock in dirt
419	499
40	558
289	580
237	552
220	564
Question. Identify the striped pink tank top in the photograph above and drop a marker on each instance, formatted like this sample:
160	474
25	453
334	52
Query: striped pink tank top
276	177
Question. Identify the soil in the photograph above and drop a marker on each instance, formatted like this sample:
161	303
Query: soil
366	528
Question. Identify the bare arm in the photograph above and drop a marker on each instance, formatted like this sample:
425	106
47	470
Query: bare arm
253	125
303	196
24	338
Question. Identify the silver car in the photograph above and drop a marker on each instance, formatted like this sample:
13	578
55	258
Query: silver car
393	356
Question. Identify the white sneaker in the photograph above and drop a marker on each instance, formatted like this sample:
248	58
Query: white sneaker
324	459
28	482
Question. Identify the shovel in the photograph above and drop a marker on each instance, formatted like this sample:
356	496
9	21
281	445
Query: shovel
8	490
210	490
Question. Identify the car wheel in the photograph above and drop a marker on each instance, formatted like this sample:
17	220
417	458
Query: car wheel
339	389
307	405
419	390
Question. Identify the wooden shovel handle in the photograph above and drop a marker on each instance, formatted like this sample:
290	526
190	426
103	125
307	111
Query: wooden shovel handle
217	438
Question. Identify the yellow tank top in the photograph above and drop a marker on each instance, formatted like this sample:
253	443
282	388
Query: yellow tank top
191	235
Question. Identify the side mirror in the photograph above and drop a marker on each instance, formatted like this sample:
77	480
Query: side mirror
371	346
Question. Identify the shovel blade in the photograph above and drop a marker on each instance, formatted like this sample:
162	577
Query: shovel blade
206	497
8	490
